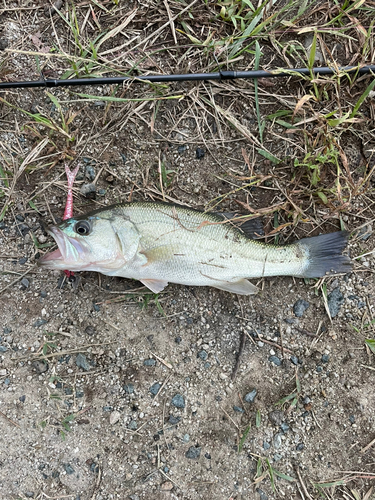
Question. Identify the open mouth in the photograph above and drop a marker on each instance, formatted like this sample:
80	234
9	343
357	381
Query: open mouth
69	250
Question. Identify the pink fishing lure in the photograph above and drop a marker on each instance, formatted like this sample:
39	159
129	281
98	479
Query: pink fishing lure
68	212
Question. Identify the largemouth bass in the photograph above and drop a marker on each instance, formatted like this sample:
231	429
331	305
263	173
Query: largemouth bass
159	243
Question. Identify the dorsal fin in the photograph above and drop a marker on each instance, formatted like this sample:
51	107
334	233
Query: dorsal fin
252	228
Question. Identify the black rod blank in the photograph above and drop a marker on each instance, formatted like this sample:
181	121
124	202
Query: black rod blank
221	75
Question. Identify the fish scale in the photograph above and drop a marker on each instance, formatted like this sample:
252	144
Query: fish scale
159	243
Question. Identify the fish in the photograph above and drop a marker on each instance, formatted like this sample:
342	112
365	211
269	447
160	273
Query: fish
158	243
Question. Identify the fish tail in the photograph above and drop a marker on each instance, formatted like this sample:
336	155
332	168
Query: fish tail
324	254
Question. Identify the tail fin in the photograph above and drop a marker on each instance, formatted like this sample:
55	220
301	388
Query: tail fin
324	254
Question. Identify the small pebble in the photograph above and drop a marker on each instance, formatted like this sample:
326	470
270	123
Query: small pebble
39	366
300	446
193	452
154	389
262	494
29	494
114	417
365	232
3	348
202	355
300	307
238	409
275	360
129	388
284	427
173	420
149	362
276	417
3	43
250	396
40	322
81	362
178	401
90	172
90	330
68	469
335	300
266	446
89	191
186	438
94	467
22	398
167	486
277	440
199	153
133	425
294	359
352	419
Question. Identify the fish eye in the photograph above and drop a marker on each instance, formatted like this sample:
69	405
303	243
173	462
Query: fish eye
82	227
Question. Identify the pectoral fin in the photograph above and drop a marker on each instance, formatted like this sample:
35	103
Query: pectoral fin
242	287
155	286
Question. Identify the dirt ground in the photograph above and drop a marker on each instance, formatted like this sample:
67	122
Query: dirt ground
110	392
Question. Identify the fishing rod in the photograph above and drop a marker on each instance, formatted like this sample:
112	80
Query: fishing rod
220	75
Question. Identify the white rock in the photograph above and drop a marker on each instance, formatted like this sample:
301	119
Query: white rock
114	417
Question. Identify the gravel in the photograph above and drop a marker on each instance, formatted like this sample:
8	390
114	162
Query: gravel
178	401
40	322
133	425
275	360
199	153
154	389
335	300
90	173
277	440
25	283
173	420
129	388
294	360
276	417
68	469
81	362
202	355
284	427
262	494
193	452
149	362
250	396
88	191
40	366
300	307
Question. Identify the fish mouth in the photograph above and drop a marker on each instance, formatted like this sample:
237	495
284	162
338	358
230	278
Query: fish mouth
69	251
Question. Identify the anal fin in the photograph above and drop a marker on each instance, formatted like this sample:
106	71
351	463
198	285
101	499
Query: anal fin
154	285
241	287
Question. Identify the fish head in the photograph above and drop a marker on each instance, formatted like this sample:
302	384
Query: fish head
86	243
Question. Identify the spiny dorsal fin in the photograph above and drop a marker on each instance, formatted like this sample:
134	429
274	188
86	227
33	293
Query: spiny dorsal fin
252	228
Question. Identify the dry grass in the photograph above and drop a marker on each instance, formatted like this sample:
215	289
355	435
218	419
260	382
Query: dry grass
305	144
